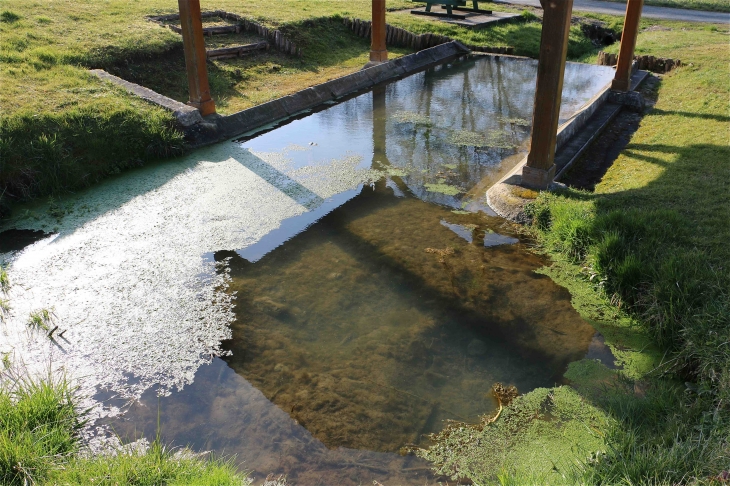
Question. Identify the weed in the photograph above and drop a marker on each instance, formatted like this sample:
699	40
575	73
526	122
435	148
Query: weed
40	424
4	280
41	319
39	427
9	17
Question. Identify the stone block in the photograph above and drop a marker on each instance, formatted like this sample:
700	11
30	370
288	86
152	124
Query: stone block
306	99
537	178
632	100
348	84
185	115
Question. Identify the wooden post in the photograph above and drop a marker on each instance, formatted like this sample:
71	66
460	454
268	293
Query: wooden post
378	51
194	44
622	79
540	168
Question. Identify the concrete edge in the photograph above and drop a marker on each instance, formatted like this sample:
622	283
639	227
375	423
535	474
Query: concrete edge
258	117
185	115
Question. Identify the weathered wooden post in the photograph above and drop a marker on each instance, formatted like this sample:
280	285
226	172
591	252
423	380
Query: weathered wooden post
378	51
194	44
540	168
622	79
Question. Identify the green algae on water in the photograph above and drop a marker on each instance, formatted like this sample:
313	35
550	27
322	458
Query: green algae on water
519	122
395	172
465	138
443	189
412	117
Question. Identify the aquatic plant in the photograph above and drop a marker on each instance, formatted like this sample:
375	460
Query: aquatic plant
465	138
4	280
551	426
516	121
443	189
41	319
412	117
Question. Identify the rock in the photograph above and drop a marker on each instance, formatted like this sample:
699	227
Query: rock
476	348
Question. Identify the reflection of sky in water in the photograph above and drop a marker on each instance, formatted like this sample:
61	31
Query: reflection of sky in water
491	97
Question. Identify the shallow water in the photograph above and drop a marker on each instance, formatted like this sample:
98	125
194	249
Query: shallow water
369	307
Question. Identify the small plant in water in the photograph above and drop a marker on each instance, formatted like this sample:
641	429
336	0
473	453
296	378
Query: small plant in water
4	281
41	319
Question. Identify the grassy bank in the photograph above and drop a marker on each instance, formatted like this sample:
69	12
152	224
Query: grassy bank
40	423
645	258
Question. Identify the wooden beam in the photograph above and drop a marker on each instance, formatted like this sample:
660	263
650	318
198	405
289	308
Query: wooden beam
194	44
622	79
540	169
378	51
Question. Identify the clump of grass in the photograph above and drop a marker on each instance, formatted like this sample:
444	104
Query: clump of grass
528	16
4	280
40	443
157	464
9	17
39	427
41	319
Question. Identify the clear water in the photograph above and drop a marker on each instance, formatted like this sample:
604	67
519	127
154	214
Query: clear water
363	324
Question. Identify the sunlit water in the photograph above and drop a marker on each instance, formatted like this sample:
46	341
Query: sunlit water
369	306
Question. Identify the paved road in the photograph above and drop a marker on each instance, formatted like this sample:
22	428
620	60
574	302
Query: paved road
614	8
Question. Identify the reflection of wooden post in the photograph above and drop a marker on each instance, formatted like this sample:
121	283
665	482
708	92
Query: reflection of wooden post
379	119
378	51
622	80
540	168
194	44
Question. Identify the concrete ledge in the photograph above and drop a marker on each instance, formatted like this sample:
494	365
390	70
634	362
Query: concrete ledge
246	120
185	115
383	72
215	128
306	99
348	84
282	108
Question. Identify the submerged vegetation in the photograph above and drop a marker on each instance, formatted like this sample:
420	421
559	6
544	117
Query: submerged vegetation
40	425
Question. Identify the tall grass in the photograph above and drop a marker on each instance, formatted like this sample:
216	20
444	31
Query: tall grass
40	425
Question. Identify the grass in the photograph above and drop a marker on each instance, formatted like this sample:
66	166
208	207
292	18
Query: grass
40	424
652	239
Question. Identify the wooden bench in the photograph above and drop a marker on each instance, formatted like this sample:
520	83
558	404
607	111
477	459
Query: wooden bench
449	6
